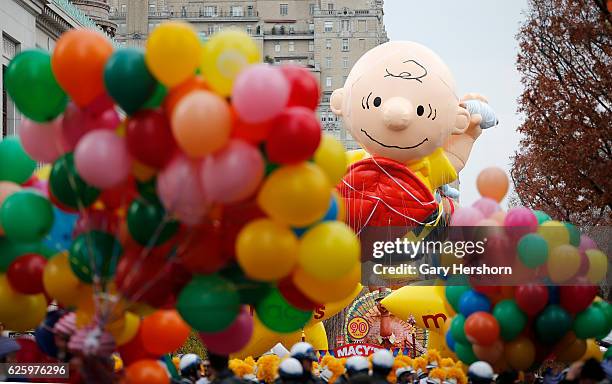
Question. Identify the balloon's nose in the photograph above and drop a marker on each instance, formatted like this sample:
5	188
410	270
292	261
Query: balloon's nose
398	113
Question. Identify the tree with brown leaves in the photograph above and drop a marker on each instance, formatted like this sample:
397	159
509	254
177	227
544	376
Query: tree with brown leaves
564	164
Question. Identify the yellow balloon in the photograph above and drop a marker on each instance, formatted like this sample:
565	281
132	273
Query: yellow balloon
563	263
329	251
43	172
598	266
316	336
10	301
129	329
592	351
331	158
437	342
60	282
297	195
141	309
33	309
325	291
224	56
172	53
329	310
555	233
425	303
266	250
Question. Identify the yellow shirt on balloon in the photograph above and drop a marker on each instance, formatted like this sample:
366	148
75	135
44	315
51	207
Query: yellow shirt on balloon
433	170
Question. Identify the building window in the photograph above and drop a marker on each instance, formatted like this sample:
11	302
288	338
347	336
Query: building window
311	27
330	6
345	25
152	9
291	46
210	11
211	30
250	11
328	62
249	29
345	45
277	47
328	44
328	82
123	8
362	44
345	62
311	46
284	9
312	9
329	26
362	26
291	30
237	11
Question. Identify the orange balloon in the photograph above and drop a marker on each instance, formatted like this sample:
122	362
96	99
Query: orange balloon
201	123
7	188
519	353
327	291
146	371
493	183
78	64
177	93
164	331
489	353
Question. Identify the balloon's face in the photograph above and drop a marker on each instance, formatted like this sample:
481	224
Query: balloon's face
399	102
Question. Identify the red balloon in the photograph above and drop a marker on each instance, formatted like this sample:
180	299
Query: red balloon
295	136
481	328
232	339
233	218
119	196
200	252
577	298
134	350
149	138
304	87
488	290
146	371
531	298
29	352
96	219
294	296
25	274
253	133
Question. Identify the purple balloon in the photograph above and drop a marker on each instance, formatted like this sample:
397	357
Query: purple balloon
79	121
180	191
43	141
520	221
234	338
260	93
466	217
486	206
586	243
102	159
234	173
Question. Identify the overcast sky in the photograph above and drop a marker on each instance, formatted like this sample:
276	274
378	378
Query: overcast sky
476	39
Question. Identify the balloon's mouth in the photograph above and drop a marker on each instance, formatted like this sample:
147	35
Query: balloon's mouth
393	146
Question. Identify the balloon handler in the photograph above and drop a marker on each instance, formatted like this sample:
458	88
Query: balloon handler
399	104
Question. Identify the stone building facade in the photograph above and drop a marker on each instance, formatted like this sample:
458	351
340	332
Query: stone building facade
327	36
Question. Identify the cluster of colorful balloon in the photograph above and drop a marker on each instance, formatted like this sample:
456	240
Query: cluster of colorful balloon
554	314
186	176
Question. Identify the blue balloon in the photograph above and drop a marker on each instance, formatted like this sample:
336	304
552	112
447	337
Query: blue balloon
472	301
44	333
330	215
450	341
60	237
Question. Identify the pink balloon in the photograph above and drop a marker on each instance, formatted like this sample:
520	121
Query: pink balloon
260	93
43	141
234	173
233	339
102	159
466	217
520	221
180	191
587	243
78	121
486	206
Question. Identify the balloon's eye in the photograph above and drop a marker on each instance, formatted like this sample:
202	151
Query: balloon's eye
377	101
420	110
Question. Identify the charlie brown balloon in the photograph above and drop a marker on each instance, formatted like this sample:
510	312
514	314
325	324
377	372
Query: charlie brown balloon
399	103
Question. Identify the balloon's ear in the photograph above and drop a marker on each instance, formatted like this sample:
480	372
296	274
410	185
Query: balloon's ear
336	101
462	121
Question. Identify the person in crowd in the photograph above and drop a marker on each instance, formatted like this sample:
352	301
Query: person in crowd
382	364
404	375
305	354
355	365
190	368
480	372
220	372
290	371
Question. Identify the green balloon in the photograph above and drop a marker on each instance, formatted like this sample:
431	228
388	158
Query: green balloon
574	234
31	84
280	316
26	216
147	189
250	291
127	79
465	353
511	319
10	250
541	216
453	294
552	324
532	250
606	308
15	164
209	303
148	224
157	98
590	323
98	249
67	186
457	329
